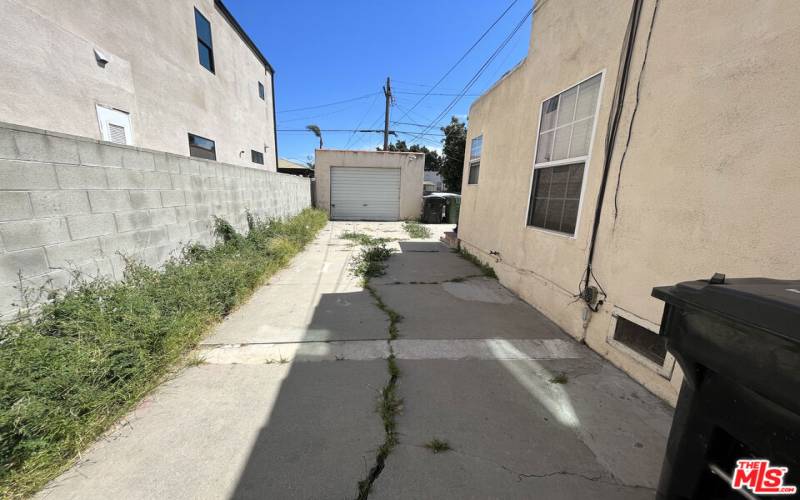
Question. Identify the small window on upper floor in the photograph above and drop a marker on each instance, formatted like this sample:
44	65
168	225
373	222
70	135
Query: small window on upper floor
200	147
257	156
205	48
476	147
261	90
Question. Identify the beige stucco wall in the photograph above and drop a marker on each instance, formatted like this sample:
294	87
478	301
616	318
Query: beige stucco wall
411	167
710	178
52	81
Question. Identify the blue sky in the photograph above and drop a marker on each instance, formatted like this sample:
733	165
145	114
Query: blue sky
325	51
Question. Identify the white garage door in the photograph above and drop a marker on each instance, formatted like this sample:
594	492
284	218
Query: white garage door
365	193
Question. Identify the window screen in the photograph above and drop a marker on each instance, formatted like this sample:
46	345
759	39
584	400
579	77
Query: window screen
475	150
555	197
200	147
562	148
204	46
649	344
257	156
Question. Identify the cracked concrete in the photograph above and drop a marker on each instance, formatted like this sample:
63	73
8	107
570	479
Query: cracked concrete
285	404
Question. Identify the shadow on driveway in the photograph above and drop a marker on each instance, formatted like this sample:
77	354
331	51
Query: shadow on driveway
559	423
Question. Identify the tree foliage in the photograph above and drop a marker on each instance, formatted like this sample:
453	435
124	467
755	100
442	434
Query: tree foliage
450	163
455	144
314	129
433	160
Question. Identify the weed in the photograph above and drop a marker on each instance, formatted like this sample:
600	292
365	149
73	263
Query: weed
389	405
486	269
90	354
394	316
437	445
416	230
279	361
225	231
363	238
371	261
561	378
195	360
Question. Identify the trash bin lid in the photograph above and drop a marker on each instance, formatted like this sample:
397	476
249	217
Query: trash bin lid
764	303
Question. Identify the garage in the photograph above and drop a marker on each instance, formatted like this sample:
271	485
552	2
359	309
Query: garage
369	185
365	193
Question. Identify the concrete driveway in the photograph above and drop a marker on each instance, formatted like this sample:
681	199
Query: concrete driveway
284	405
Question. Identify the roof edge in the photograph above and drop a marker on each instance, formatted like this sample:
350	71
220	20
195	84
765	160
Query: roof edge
499	82
334	150
242	34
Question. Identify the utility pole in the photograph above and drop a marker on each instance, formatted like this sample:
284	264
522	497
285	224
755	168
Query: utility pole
387	91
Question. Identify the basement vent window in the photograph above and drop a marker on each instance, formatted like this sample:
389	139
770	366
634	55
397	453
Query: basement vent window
200	147
115	125
257	156
649	344
117	134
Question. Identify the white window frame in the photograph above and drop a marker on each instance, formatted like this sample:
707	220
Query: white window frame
567	161
666	369
472	160
108	115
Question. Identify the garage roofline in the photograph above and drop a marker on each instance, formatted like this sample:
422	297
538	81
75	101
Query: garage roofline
370	152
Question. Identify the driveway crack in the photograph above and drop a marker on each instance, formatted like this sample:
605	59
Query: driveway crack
389	403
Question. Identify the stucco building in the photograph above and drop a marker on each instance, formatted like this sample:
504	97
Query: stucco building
369	185
634	148
179	76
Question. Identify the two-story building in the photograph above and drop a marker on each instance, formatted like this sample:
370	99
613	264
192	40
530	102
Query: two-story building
178	76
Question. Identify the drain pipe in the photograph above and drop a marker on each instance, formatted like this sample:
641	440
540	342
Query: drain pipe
591	297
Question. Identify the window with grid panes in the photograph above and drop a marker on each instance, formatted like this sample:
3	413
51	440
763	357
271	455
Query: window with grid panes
562	148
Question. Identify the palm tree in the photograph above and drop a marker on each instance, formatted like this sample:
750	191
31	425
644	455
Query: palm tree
316	131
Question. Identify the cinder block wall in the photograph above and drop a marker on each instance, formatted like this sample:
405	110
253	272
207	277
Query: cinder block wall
69	203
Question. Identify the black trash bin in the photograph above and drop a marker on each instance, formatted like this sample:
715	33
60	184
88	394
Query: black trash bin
433	210
738	342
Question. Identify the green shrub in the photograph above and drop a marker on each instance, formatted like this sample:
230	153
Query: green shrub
90	354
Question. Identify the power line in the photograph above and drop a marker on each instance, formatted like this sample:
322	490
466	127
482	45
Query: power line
424	139
409	123
363	117
372	125
412	124
447	73
329	104
318	115
391	132
413	115
431	93
478	73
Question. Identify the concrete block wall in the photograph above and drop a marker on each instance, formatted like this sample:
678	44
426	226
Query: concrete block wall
74	204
